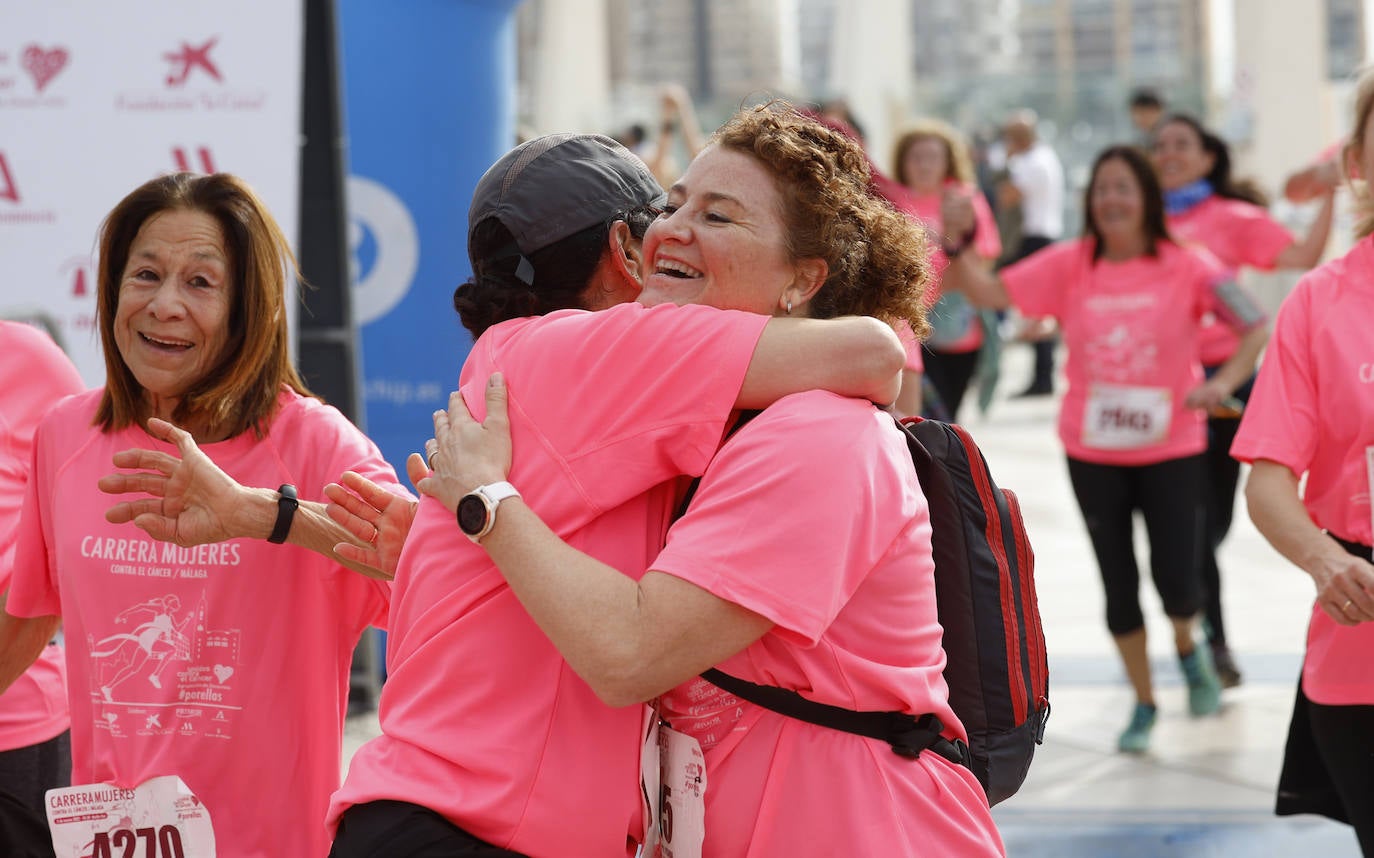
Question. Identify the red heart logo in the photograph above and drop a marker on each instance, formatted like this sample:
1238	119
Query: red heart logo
43	65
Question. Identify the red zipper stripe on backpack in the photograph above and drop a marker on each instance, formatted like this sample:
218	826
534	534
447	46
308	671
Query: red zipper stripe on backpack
1030	608
1012	628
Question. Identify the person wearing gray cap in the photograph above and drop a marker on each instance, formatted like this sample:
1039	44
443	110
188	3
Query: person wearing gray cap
804	561
491	744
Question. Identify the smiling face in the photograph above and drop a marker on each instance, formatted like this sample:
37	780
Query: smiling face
1118	202
721	239
925	164
171	324
1179	156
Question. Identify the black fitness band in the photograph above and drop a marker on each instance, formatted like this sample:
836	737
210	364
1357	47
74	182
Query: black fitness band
286	511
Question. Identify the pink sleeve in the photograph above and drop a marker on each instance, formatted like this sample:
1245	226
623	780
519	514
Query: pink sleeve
627	386
1038	283
322	443
988	242
914	361
793	513
33	585
1257	238
1219	292
1281	420
33	377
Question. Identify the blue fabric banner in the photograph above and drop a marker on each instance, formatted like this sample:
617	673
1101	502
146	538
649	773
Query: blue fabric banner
429	98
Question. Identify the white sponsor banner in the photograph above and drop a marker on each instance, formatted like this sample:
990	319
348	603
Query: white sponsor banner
97	97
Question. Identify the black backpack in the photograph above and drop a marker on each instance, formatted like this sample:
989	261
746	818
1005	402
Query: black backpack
997	671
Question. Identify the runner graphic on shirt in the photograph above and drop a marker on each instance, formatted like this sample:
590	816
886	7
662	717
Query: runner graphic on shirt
160	639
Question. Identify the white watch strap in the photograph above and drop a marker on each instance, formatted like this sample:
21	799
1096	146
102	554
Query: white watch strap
497	492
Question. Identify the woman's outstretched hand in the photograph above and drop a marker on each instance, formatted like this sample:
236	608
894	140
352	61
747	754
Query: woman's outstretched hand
193	501
372	515
465	454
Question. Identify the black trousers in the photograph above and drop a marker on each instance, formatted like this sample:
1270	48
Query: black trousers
1223	475
399	829
27	773
950	373
1169	496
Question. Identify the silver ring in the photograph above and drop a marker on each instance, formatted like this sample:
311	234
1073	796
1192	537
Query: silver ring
429	460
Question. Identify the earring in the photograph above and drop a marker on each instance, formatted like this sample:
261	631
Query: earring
789	306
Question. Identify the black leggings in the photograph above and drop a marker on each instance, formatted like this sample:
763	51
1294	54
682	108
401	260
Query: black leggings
27	773
399	829
1169	495
950	373
1223	475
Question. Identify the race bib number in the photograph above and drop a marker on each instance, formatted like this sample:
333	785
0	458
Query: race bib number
682	795
160	818
1121	417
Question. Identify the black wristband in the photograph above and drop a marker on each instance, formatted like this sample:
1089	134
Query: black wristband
286	511
965	240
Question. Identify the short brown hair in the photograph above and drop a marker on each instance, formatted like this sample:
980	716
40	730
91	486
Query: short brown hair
959	164
877	257
241	392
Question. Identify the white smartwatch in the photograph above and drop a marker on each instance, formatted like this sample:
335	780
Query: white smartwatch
477	508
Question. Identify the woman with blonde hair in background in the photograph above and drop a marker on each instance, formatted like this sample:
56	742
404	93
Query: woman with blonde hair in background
931	159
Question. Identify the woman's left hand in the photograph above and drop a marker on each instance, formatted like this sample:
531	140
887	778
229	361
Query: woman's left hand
193	500
372	515
1207	395
465	454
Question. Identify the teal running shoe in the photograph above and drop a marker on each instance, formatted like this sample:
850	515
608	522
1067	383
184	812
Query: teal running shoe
1204	686
1135	739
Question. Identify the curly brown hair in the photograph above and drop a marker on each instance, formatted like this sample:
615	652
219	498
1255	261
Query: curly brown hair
877	257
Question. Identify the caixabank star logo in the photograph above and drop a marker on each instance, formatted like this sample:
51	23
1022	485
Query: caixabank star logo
197	75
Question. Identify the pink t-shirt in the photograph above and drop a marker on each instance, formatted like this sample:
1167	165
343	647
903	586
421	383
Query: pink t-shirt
1131	329
1312	411
1240	235
812	516
482	719
912	346
986	242
34	375
225	664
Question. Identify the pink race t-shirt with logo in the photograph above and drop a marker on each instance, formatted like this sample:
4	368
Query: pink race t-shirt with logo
34	375
1312	411
1239	235
987	243
225	664
811	516
482	719
1131	330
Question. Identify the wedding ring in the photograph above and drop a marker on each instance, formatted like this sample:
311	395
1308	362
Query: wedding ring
429	460
1346	606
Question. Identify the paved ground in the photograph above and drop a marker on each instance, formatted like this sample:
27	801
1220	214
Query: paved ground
1207	786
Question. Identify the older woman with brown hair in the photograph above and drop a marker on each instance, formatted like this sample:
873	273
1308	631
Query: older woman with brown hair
213	663
804	560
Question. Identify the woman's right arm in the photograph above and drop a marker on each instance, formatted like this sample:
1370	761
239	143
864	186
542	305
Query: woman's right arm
21	642
1271	494
854	356
969	272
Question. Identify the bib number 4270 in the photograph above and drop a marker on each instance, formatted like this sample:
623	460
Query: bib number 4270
164	842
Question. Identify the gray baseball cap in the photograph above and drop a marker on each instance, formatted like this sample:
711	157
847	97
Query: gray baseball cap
551	187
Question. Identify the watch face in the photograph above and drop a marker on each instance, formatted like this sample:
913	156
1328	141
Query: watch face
472	514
